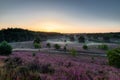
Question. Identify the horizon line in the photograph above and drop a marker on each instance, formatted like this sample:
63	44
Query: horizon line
59	32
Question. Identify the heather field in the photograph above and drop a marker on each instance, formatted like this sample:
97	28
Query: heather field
23	65
59	39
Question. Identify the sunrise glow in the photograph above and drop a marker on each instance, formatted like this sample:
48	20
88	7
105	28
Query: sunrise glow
61	16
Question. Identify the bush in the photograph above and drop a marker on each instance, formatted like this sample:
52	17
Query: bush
57	46
73	52
48	45
64	48
103	47
5	48
85	47
81	39
37	40
37	45
114	57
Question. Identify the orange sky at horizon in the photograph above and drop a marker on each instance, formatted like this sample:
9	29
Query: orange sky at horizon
63	27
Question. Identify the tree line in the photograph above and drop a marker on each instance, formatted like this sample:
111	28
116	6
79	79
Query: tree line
18	34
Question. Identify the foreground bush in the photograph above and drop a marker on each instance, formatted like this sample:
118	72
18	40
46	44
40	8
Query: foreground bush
103	47
5	48
85	47
114	57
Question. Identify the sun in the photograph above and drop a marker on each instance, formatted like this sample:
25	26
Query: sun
50	28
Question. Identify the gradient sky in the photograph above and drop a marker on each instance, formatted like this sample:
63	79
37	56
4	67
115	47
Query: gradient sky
65	16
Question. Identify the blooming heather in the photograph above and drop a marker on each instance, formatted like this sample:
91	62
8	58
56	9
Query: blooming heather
45	66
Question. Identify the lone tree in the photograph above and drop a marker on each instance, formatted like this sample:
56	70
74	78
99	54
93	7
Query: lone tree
81	39
48	45
37	40
5	48
37	45
56	46
114	57
85	47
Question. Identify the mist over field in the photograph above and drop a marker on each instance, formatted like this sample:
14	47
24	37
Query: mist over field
59	40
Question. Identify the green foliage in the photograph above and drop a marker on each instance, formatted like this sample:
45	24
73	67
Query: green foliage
85	47
48	45
5	48
37	45
103	47
37	40
56	46
81	39
114	57
73	52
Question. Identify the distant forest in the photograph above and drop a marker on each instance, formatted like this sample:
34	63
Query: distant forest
18	34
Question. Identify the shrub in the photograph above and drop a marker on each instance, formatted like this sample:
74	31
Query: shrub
64	48
37	40
37	45
85	47
73	52
81	39
5	48
48	45
103	47
114	57
57	46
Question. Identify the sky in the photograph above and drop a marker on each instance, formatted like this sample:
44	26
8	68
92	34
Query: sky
64	16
